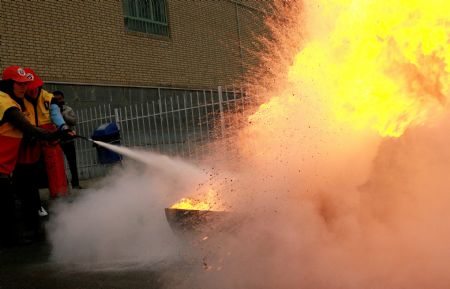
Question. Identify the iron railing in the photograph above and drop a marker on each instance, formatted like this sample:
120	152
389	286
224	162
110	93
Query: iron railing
182	125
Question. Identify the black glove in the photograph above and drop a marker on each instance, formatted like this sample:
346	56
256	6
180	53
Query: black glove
66	133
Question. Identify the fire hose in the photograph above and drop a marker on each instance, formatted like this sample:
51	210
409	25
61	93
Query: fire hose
84	138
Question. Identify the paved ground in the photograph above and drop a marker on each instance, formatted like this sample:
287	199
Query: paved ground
29	267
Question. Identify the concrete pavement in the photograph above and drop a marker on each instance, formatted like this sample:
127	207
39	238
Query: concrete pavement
30	267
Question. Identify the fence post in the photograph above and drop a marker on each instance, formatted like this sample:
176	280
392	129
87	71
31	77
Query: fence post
117	117
222	118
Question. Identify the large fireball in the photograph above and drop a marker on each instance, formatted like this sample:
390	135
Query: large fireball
375	65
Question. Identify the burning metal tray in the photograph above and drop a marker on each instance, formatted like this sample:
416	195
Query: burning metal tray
184	220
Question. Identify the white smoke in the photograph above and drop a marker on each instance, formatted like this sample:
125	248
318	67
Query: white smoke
123	220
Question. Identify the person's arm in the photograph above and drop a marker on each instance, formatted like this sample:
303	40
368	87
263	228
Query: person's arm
56	116
58	119
16	118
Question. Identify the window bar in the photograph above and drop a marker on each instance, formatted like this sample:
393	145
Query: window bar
144	14
151	9
136	8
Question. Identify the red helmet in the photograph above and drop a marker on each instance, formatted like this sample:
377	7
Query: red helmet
17	74
36	82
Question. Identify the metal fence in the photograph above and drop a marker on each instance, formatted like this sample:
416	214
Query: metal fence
183	124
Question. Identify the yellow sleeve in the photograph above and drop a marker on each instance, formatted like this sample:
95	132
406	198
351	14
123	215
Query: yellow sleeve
6	102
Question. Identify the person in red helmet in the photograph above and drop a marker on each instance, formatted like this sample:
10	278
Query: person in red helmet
45	113
13	125
28	175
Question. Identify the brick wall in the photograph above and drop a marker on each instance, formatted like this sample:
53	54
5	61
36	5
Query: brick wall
86	42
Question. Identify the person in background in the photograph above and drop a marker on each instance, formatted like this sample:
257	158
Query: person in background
13	125
68	145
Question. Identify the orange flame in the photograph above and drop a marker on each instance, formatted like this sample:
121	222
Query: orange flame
208	203
191	204
382	66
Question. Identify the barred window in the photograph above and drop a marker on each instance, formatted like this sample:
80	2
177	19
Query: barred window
148	16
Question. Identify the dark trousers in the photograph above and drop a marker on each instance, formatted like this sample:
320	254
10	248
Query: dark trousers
26	185
8	230
71	156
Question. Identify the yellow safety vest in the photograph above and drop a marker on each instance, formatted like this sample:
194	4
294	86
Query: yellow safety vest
41	115
10	137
